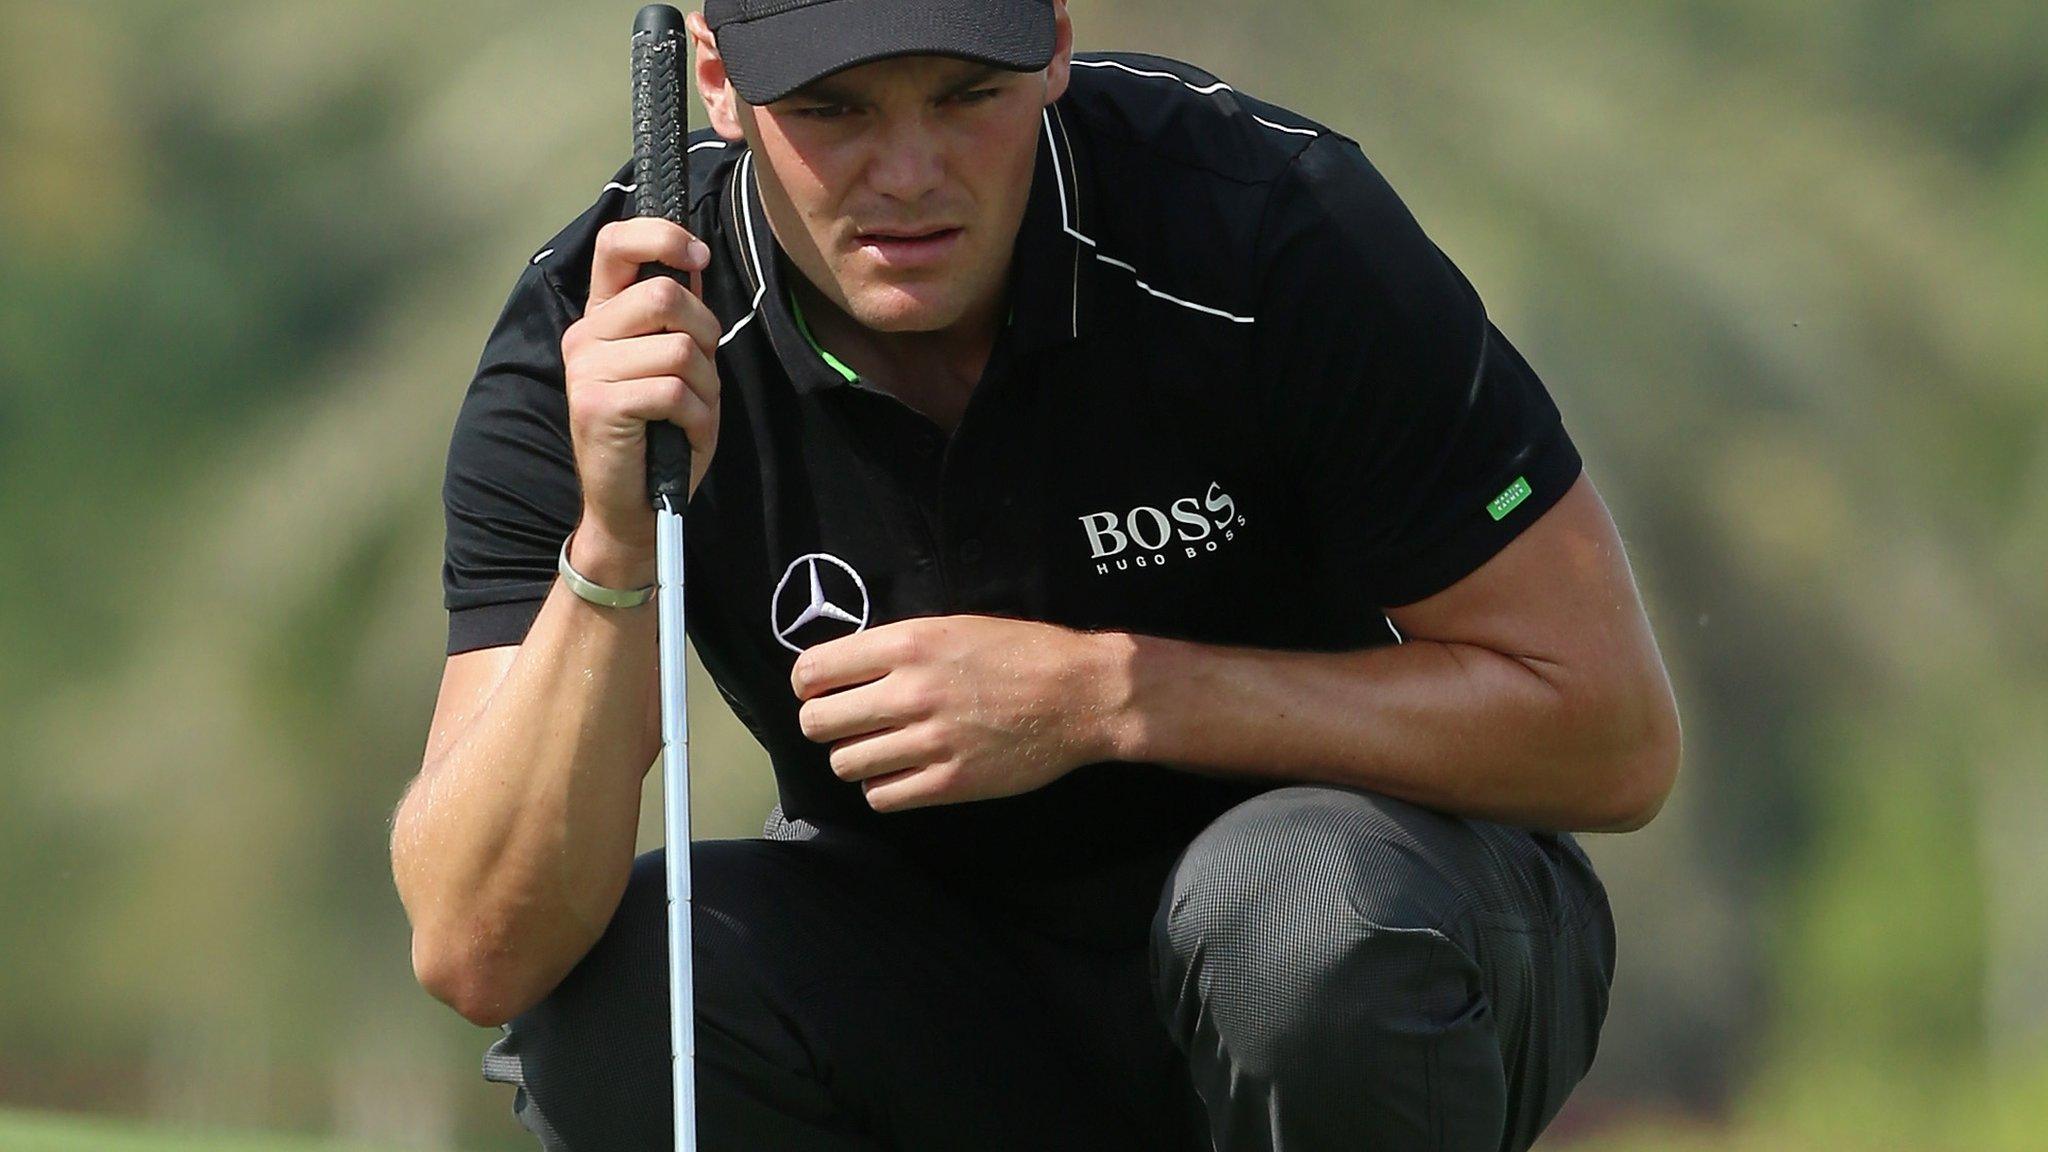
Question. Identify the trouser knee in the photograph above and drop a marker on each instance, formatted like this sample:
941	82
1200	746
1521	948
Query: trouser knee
1339	965
1302	924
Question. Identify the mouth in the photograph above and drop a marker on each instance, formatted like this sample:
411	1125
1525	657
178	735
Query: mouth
908	247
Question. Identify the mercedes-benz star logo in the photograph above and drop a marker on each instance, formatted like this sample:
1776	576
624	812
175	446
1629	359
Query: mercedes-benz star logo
836	605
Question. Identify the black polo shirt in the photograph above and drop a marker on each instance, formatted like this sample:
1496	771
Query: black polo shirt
1241	399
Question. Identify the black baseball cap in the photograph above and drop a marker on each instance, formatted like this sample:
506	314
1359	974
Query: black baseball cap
771	48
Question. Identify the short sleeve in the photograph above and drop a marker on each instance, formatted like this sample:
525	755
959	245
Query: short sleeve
1417	440
510	496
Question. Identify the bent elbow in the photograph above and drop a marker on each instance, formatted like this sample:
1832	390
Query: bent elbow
1636	805
1626	757
464	984
1646	771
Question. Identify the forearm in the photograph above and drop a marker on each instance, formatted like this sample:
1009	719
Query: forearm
513	847
1454	727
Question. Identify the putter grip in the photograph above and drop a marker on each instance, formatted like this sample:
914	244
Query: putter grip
661	178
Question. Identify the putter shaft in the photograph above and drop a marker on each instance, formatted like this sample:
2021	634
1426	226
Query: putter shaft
675	741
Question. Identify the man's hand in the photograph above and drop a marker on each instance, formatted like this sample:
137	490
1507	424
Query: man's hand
644	350
946	709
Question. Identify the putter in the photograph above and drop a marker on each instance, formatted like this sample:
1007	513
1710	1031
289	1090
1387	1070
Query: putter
661	187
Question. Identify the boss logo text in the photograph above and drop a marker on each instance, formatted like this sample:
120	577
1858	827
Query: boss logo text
1149	537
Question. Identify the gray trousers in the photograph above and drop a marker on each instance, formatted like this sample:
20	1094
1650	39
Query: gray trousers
1327	968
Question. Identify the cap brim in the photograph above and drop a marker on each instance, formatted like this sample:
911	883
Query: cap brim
773	56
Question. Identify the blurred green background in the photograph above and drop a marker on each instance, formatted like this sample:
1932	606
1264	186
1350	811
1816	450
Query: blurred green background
1784	266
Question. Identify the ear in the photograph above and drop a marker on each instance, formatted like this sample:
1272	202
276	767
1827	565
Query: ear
1059	68
720	101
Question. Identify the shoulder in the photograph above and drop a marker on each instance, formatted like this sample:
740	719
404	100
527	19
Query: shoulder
1174	113
1280	195
562	263
1158	124
1203	183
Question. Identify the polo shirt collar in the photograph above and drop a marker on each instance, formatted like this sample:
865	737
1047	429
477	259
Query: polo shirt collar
1051	273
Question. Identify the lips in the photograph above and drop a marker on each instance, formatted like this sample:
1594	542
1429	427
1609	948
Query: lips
908	247
906	233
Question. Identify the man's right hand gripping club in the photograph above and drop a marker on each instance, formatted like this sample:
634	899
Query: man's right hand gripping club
643	350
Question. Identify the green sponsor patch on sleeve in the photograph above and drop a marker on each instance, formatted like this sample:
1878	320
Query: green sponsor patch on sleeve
1509	500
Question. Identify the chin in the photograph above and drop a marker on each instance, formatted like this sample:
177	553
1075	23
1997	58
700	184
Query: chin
906	308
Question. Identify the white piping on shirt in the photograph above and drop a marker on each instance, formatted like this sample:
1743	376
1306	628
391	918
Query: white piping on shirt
1202	89
1067	225
743	169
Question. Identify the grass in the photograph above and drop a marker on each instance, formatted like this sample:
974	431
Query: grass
57	1132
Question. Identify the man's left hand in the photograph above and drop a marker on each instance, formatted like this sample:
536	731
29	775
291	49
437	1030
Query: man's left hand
945	709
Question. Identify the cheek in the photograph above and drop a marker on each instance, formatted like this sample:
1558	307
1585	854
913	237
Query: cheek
811	181
811	194
822	208
1019	158
1004	182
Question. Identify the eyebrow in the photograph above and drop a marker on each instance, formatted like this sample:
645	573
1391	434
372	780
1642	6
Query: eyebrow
982	74
825	91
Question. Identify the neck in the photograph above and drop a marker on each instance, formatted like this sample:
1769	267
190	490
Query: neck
933	372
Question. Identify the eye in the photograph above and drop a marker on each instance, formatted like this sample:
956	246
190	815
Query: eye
825	112
978	95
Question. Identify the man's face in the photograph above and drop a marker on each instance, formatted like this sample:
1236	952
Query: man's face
897	187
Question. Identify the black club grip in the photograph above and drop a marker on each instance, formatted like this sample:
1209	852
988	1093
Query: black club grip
661	179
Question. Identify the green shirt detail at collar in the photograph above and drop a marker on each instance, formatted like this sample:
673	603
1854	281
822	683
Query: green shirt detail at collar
837	364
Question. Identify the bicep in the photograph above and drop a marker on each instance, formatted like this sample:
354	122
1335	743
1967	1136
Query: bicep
1560	597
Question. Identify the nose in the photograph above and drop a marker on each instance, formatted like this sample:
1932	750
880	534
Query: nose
907	161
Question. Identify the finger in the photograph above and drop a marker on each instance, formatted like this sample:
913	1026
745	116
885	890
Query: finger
668	398
925	787
880	753
624	246
850	660
853	711
656	304
660	354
